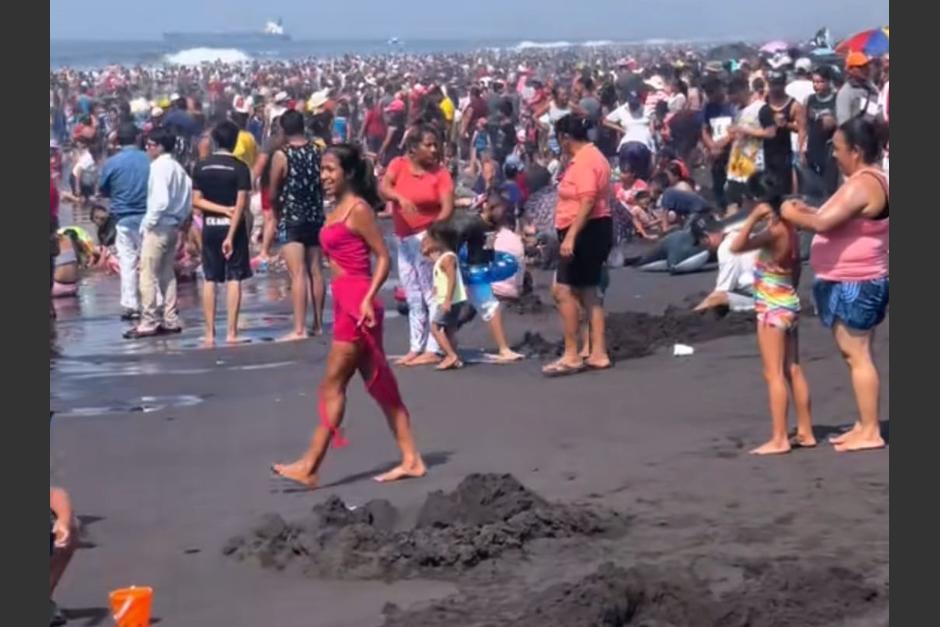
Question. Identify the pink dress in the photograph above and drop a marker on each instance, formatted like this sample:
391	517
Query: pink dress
350	252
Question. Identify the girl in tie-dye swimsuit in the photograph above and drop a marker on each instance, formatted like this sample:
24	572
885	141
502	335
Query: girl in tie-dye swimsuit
777	304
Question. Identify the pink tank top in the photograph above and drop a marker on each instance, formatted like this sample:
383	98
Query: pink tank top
346	249
855	251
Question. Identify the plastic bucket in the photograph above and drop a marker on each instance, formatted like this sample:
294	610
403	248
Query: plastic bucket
131	606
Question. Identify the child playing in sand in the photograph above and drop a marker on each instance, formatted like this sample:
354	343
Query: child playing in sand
452	306
776	275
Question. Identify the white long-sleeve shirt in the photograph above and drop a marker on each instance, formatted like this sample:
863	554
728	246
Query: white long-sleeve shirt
169	195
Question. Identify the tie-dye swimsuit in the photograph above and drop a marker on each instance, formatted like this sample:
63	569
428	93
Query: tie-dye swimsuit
775	299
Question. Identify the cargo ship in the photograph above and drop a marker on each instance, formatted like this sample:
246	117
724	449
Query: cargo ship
272	32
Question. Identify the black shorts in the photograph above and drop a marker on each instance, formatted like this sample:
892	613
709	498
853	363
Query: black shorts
735	193
306	234
215	267
591	248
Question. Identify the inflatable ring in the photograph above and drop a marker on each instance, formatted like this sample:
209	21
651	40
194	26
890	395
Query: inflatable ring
501	268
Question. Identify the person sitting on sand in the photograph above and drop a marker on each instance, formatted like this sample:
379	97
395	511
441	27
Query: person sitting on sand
350	237
776	276
734	284
76	253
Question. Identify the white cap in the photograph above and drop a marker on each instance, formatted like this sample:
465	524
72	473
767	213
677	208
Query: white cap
803	64
656	82
242	104
156	112
281	97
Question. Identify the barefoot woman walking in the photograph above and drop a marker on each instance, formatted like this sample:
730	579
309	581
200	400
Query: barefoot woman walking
348	238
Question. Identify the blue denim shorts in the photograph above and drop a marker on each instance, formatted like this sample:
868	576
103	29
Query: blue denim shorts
859	305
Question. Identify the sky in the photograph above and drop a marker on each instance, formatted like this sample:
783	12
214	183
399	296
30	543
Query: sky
618	20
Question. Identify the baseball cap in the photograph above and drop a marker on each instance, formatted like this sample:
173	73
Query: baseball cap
803	65
856	59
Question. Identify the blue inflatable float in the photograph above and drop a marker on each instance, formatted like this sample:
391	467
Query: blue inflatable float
501	268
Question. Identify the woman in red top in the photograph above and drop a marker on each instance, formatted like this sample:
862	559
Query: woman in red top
349	237
586	231
421	192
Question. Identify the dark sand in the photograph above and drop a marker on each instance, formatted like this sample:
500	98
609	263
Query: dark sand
169	457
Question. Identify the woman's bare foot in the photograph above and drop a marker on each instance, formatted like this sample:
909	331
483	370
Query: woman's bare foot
773	447
860	441
404	471
405	360
451	362
235	339
803	440
507	356
208	341
842	437
294	336
425	359
298	471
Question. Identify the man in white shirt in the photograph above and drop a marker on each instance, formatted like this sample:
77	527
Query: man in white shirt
801	87
735	281
169	205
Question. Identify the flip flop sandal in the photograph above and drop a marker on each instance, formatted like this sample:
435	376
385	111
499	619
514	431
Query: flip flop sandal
135	334
606	366
457	365
559	369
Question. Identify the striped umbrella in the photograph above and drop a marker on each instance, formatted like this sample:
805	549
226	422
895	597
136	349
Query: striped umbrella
872	42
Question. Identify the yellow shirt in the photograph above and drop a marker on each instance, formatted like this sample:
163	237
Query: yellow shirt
246	148
441	283
447	108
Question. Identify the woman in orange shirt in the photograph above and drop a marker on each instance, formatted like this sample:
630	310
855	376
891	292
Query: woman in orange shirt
421	192
585	230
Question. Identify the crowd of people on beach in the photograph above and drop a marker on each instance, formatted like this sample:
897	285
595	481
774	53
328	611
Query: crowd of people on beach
567	160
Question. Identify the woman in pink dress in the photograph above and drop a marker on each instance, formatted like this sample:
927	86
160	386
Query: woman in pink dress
350	235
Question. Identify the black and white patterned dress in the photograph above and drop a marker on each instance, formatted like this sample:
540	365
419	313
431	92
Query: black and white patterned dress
300	202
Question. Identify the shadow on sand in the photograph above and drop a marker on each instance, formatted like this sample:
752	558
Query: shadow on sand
432	459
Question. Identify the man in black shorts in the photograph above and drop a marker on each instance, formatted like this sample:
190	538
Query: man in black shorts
221	185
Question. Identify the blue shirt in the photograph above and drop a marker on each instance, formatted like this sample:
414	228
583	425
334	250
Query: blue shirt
181	120
124	180
256	128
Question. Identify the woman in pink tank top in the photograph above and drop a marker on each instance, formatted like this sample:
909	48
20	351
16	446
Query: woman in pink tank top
350	235
849	255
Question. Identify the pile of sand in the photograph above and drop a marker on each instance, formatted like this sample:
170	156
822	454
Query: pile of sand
632	334
487	516
781	594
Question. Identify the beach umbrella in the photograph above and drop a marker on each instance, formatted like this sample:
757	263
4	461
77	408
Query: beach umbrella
872	42
774	46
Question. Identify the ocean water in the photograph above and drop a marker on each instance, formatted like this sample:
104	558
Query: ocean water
96	54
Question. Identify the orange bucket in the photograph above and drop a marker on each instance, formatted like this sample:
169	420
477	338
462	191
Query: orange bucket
131	606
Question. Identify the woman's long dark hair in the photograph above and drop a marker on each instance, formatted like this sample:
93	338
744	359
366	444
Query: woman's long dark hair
358	171
867	136
766	187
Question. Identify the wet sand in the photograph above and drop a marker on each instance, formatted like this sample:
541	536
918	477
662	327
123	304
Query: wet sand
165	449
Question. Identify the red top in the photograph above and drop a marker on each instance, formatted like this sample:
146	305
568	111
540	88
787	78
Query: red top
587	177
346	249
53	200
424	189
374	124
